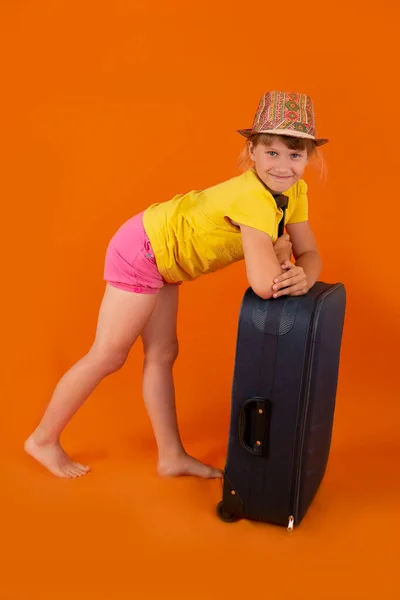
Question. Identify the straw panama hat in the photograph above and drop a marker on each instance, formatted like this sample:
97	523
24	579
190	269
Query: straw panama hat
285	113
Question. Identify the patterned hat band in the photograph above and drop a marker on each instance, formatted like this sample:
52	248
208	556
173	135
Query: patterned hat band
285	113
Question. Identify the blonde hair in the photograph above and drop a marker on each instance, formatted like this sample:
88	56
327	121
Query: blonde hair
293	143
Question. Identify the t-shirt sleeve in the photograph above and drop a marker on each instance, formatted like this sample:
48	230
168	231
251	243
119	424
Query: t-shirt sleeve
254	210
300	212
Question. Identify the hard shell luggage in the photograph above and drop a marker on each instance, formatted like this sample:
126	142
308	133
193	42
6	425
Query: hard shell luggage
283	402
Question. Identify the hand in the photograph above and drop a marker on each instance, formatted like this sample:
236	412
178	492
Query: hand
291	283
283	248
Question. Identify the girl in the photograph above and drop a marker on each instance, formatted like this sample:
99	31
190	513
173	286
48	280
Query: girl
179	240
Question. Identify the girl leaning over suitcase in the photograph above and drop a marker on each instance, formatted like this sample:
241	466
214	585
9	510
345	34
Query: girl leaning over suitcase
179	240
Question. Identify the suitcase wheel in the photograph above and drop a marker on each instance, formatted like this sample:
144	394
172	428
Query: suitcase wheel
225	516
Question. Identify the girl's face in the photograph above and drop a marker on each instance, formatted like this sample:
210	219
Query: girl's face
278	166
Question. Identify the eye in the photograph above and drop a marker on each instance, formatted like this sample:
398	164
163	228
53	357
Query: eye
296	155
271	153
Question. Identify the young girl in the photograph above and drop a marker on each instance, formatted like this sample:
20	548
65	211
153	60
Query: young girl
179	240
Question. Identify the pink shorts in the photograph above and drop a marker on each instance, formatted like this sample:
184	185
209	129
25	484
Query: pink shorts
130	264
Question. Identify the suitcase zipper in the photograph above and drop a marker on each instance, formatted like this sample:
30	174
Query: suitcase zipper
295	495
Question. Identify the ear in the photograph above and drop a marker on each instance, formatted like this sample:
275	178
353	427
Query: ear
252	151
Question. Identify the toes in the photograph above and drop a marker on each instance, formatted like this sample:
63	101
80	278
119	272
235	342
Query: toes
77	471
69	472
213	473
206	471
73	470
81	469
63	474
84	468
217	474
189	466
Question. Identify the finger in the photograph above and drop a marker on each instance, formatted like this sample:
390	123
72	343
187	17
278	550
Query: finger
287	275
289	281
286	266
300	293
298	290
283	285
281	278
289	265
291	290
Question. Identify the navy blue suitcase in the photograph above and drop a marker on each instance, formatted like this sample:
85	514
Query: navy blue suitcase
283	402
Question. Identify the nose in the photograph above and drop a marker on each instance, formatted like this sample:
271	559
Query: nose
282	166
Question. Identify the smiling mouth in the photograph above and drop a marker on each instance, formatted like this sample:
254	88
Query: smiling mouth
281	176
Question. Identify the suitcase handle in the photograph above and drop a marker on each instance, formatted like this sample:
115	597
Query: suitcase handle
254	425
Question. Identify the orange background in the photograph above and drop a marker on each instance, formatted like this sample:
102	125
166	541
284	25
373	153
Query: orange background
105	108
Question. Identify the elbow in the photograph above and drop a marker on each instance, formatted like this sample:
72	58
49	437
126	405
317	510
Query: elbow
261	277
262	291
262	285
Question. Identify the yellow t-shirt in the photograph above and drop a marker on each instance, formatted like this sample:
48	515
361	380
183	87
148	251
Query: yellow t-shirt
191	234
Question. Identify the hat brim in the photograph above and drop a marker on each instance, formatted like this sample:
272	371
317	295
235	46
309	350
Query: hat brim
289	132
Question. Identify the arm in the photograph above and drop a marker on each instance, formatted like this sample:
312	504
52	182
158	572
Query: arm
299	278
283	248
262	264
305	250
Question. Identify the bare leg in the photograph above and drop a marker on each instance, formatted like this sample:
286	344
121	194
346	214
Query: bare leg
122	317
161	349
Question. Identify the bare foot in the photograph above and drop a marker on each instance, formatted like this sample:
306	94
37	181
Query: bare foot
53	457
184	464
